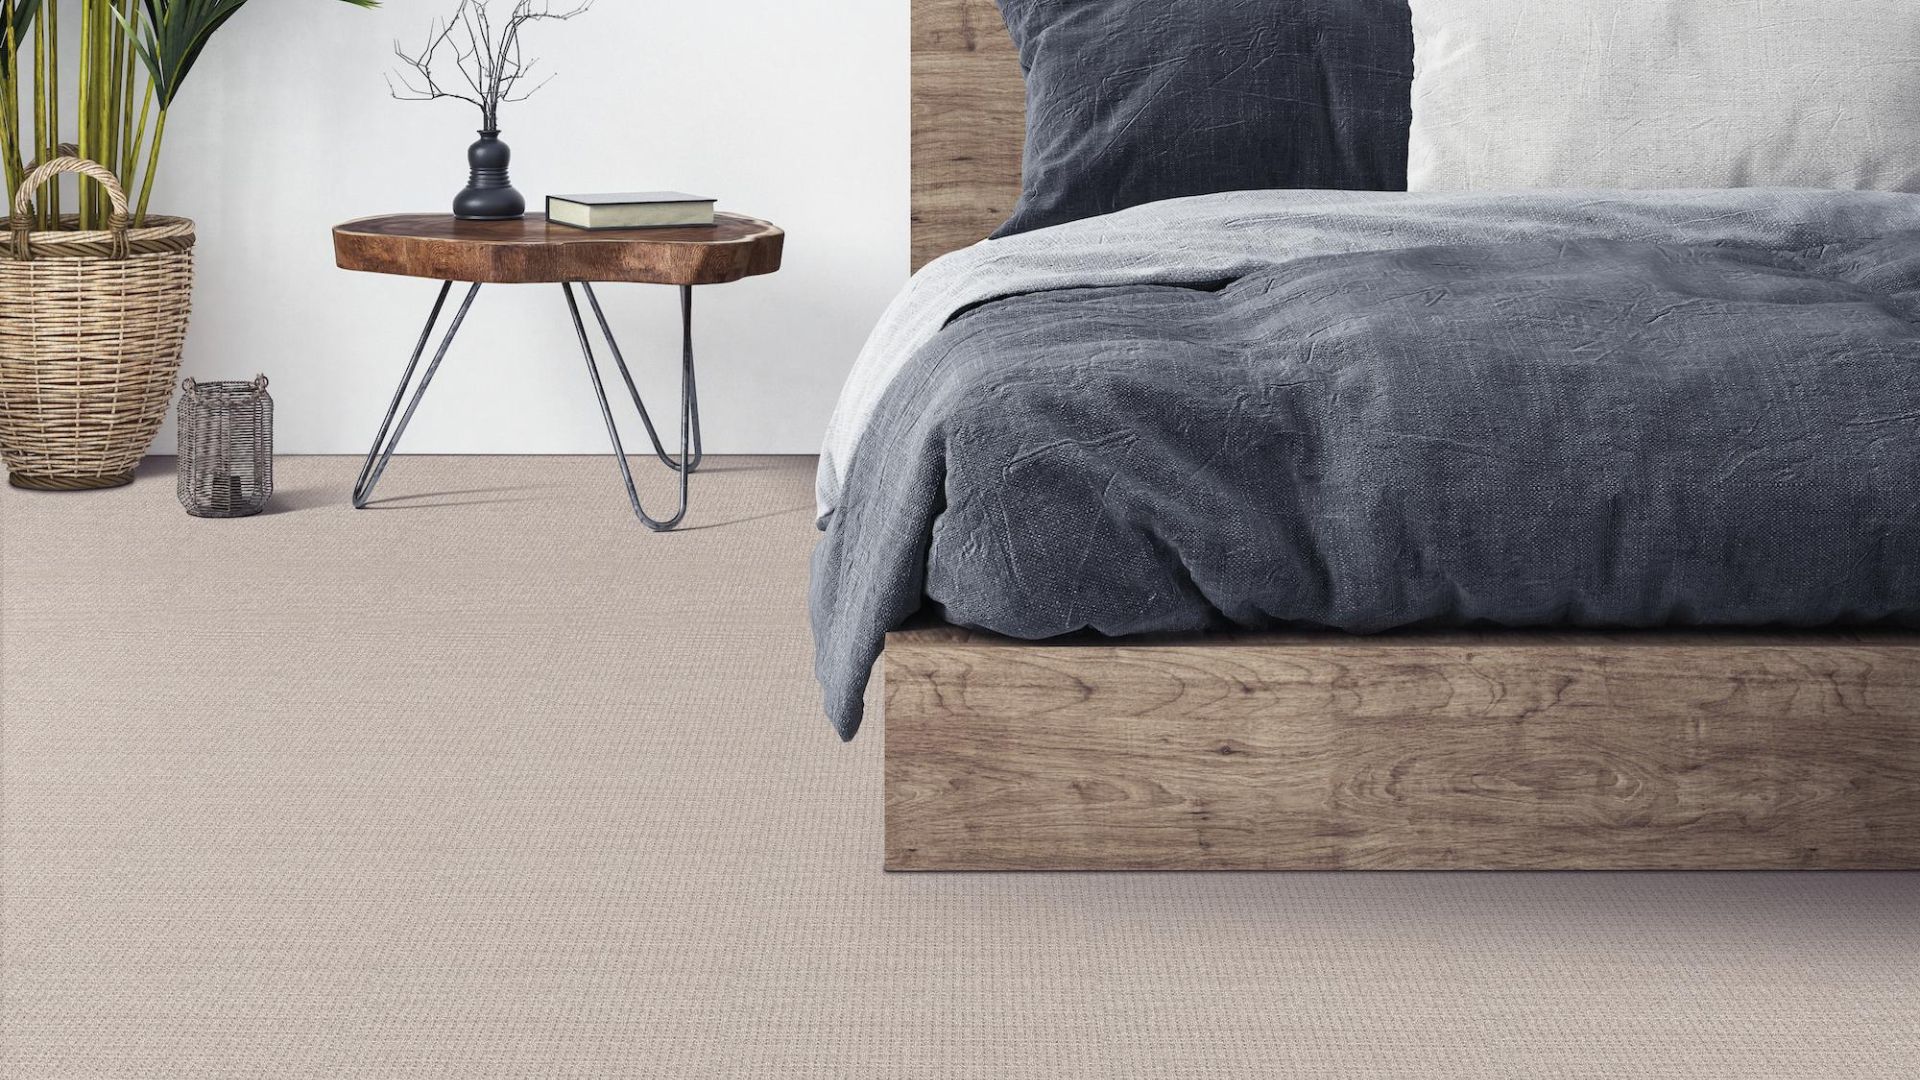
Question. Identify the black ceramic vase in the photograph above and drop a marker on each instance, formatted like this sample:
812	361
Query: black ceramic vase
490	195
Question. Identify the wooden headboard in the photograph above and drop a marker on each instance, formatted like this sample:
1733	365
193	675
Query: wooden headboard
969	121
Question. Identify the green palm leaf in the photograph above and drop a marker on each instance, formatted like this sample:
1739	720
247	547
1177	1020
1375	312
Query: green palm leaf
23	13
173	33
168	40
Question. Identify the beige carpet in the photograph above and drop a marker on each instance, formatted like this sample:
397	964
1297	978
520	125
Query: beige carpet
495	783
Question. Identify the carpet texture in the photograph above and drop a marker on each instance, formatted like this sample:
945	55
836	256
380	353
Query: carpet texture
488	781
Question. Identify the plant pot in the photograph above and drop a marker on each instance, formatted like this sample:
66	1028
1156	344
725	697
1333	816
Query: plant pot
90	340
490	195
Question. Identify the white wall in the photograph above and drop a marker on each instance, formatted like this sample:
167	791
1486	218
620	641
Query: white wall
796	112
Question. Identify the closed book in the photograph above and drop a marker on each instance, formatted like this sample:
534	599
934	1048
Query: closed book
630	210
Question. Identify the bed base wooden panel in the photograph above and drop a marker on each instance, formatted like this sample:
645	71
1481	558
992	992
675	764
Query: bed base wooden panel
1517	750
969	121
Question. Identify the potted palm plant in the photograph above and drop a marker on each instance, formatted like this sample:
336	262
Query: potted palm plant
97	293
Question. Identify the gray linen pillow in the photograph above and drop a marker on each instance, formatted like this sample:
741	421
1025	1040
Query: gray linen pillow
1133	101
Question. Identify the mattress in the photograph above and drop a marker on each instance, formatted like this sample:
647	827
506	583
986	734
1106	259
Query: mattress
1367	411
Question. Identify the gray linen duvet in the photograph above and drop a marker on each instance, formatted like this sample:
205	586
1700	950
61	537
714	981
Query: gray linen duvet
1369	411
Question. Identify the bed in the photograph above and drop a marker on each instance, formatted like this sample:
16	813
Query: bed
1683	636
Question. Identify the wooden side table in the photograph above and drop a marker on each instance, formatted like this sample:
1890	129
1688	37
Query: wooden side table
529	251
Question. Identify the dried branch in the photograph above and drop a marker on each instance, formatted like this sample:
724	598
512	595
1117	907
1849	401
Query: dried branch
492	66
440	35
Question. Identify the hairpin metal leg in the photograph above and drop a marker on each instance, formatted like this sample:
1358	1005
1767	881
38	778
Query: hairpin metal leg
688	414
690	392
383	447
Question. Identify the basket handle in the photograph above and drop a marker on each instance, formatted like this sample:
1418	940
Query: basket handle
65	149
117	222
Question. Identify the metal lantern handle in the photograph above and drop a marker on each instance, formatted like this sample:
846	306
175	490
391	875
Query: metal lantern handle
192	386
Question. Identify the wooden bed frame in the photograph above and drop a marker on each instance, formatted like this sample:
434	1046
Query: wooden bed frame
1495	750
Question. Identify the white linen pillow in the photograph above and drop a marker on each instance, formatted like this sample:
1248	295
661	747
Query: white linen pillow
1666	94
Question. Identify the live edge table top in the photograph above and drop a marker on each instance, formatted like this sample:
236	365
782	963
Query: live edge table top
530	251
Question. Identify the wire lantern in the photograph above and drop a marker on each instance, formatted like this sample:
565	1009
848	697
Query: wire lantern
226	448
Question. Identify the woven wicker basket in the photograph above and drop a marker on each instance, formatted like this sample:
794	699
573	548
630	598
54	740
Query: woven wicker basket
91	326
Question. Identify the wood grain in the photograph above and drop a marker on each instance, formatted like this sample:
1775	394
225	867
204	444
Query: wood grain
529	250
969	122
1466	751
